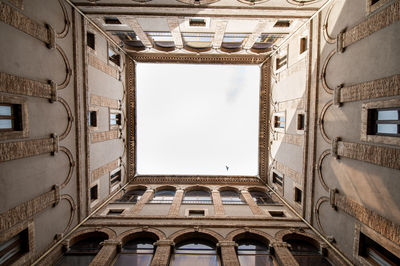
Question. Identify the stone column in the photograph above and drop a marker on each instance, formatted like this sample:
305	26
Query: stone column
163	253
218	207
140	204
283	254
176	203
228	253
252	204
107	253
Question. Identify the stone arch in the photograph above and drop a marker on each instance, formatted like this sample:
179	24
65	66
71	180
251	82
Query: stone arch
197	187
229	188
259	189
236	233
139	232
133	187
296	234
165	187
195	232
76	236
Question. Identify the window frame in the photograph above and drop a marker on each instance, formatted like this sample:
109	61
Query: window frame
25	257
373	7
365	122
7	134
114	185
118	114
109	60
376	237
274	121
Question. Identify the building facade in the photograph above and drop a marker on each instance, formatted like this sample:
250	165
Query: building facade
328	156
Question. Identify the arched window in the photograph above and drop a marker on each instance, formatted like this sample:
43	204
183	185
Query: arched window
253	252
84	250
195	252
197	197
163	196
261	198
306	253
132	196
137	251
230	197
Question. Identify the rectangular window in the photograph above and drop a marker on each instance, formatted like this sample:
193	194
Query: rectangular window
297	195
10	117
281	61
375	253
282	24
384	122
300	121
303	45
279	121
115	119
277	179
277	213
90	39
92	118
115	212
196	213
112	20
373	2
115	177
197	22
14	248
114	57
94	195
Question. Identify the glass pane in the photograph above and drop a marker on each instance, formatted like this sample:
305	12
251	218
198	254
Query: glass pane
113	122
198	260
76	260
312	260
113	116
255	261
134	259
5	110
5	123
388	115
387	128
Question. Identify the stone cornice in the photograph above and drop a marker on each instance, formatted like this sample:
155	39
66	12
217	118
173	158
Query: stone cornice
193	179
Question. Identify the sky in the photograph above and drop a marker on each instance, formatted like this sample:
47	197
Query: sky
197	119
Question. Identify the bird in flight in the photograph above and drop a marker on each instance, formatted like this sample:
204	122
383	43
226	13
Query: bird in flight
227	168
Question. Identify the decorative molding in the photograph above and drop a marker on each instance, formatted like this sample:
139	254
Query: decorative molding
27	148
374	23
384	87
200	2
16	19
165	179
135	26
288	172
104	136
17	3
264	123
23	86
173	24
104	169
131	116
28	209
103	101
103	66
378	223
291	104
290	138
198	59
378	155
220	28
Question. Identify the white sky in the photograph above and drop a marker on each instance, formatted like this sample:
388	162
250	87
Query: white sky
197	119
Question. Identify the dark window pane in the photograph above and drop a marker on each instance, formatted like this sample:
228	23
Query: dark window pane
255	260
76	260
133	260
